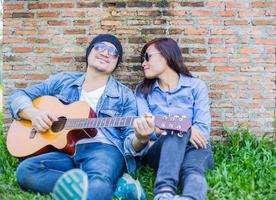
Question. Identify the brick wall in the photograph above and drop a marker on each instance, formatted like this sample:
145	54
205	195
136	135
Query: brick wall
228	44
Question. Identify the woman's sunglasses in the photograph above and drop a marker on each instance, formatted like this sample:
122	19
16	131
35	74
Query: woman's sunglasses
101	47
147	56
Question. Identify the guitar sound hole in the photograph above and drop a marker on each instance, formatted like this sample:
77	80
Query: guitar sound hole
58	125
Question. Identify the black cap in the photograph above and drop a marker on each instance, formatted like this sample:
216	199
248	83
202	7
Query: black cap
105	38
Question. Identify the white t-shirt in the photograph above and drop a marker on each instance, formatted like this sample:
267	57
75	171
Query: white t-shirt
92	99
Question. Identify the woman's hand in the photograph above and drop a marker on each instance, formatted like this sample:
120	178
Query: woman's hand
197	139
144	127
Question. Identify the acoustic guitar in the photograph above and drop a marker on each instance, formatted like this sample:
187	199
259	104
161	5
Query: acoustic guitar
76	121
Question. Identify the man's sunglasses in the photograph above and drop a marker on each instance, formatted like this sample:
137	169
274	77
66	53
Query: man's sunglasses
147	56
101	47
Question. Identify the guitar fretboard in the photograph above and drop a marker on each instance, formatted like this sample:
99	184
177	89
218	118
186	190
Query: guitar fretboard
99	122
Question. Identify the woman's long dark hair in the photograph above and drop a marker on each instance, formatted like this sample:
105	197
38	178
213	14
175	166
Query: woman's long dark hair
169	49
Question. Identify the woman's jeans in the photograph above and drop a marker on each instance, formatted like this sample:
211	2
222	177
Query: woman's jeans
103	163
178	163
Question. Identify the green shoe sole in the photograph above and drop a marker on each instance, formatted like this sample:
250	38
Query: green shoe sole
72	185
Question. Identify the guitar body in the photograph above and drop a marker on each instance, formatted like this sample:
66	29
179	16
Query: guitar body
22	141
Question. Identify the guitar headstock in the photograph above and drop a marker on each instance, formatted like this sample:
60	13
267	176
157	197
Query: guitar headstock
173	123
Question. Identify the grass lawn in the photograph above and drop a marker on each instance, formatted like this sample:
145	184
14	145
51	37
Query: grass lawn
245	169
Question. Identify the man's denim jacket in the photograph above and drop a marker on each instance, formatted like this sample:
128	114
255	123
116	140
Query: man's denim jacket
117	100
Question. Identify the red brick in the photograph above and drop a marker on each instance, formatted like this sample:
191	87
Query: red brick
235	40
236	5
209	22
221	50
214	41
271	51
175	13
149	13
254	13
193	40
36	76
47	50
199	50
227	13
222	32
176	31
48	14
62	40
195	31
236	22
62	5
88	4
59	22
111	23
216	4
198	68
22	50
264	22
38	40
74	14
7	40
37	5
239	60
84	23
224	68
8	7
13	76
218	59
61	59
139	4
22	15
127	31
20	85
48	32
201	13
270	13
13	23
180	21
192	4
159	21
259	4
251	69
249	51
74	31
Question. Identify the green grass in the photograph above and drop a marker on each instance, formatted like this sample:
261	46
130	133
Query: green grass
245	169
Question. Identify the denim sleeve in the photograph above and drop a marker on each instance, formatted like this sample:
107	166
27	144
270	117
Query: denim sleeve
22	98
128	141
202	117
129	150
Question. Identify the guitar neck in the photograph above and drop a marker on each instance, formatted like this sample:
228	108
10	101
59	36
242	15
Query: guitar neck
99	122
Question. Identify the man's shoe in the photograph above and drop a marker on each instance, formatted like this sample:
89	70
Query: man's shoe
72	185
129	189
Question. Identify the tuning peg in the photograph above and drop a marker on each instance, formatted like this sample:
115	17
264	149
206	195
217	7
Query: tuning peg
180	134
164	133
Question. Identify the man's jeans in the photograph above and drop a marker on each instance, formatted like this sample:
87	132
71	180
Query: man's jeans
178	162
103	163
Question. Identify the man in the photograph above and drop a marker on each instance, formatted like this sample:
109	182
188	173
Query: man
103	158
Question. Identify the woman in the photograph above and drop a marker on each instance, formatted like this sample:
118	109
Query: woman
170	89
